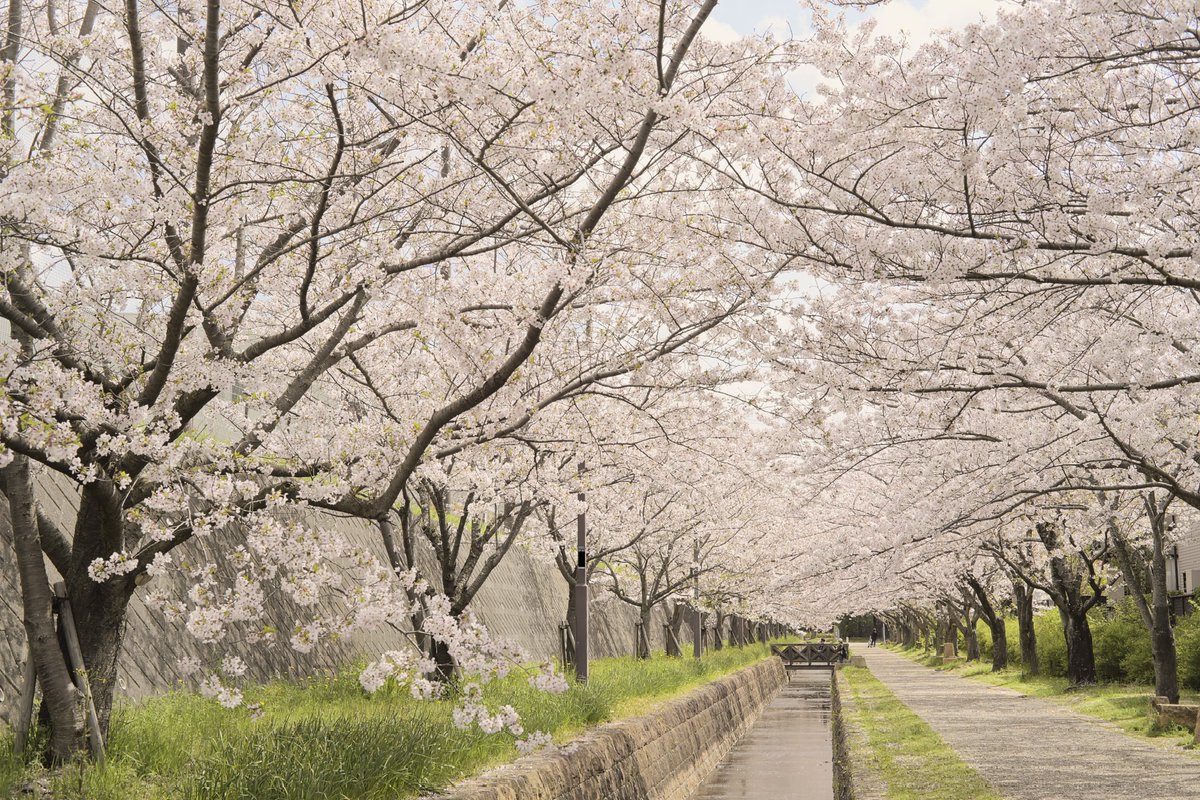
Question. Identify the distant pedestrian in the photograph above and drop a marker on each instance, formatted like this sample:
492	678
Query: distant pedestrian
874	636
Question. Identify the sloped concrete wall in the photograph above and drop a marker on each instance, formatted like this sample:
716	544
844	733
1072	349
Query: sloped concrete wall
665	755
524	601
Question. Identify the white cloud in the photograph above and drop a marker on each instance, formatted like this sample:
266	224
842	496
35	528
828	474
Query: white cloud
903	18
804	80
718	32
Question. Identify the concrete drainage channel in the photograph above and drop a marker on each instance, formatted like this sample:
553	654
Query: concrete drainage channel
750	735
788	754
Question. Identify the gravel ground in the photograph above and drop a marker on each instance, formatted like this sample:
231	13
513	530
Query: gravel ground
1033	749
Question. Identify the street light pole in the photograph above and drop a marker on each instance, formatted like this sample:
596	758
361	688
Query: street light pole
698	626
581	589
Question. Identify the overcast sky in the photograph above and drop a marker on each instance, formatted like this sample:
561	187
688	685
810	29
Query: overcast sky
917	18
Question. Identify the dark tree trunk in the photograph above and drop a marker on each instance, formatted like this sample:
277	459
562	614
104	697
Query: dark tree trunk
1166	667
99	607
1142	579
908	632
1066	588
995	622
671	629
1162	639
1023	601
60	701
1081	657
972	637
642	645
439	651
718	642
952	626
999	644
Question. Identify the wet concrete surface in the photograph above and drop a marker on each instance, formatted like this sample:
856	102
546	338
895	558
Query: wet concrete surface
788	754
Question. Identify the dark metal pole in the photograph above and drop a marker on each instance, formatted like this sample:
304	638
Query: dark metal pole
581	591
698	627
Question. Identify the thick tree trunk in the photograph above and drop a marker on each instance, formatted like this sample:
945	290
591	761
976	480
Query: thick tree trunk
1141	579
909	633
999	644
1166	667
642	646
995	621
718	642
672	629
1023	600
60	700
1081	657
440	653
99	607
972	638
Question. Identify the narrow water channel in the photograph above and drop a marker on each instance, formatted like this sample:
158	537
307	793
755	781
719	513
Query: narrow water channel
788	754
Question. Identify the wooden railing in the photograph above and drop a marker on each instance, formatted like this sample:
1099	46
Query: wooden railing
812	655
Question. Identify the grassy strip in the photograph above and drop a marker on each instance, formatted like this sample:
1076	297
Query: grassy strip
326	738
904	753
1126	705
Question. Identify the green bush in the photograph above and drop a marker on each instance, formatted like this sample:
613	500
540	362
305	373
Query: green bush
1187	645
1012	632
1122	644
1051	644
984	634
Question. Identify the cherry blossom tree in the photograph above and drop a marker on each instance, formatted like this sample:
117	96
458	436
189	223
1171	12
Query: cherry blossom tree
305	247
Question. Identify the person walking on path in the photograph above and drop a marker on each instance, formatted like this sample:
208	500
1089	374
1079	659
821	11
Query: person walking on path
874	636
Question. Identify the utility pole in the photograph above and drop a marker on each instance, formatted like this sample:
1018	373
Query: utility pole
581	589
698	626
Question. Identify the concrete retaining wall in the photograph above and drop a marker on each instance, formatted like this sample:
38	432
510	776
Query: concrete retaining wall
664	755
523	602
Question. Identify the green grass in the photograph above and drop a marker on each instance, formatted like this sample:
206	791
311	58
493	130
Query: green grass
904	753
1126	705
326	739
11	772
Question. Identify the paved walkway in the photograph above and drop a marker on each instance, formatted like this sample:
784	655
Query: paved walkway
787	755
1032	749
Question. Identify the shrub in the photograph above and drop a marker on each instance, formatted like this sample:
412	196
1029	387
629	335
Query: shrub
1122	645
1051	644
984	634
1187	644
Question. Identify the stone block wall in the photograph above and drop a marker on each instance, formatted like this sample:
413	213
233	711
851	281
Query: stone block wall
664	755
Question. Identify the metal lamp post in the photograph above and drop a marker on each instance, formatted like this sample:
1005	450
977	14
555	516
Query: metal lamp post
581	590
